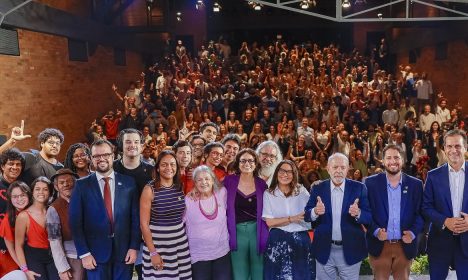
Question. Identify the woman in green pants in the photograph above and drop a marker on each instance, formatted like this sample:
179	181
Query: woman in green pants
248	233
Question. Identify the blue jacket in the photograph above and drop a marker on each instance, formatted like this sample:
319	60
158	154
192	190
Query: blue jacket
437	206
353	233
410	211
90	225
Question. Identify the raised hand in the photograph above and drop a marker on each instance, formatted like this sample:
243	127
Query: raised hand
17	133
319	207
354	210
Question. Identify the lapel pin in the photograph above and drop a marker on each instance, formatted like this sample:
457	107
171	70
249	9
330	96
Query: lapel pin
405	190
119	183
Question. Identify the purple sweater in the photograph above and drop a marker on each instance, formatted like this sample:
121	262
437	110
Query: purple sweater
231	183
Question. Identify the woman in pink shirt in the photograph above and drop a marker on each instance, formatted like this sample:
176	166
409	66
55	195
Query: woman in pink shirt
206	225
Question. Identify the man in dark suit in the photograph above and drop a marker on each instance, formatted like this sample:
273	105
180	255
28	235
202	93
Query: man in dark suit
104	218
445	205
395	202
338	208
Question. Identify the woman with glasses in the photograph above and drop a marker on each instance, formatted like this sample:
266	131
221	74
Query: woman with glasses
78	159
248	232
207	231
214	154
288	254
19	197
162	206
31	239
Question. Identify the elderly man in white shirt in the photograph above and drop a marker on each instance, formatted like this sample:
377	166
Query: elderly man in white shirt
426	119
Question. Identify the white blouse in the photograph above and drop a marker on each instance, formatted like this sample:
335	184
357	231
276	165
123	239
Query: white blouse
277	205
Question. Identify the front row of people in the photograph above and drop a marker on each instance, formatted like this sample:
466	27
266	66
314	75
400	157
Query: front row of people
244	229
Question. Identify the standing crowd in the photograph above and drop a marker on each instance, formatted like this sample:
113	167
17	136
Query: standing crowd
317	173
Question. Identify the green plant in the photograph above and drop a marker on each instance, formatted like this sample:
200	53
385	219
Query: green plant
365	267
420	265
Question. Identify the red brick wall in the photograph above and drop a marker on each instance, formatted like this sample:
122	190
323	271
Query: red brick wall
47	90
76	7
449	76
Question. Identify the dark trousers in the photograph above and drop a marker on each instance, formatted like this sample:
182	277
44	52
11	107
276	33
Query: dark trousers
41	261
439	265
111	271
219	269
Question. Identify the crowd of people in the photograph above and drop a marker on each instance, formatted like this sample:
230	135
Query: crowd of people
285	162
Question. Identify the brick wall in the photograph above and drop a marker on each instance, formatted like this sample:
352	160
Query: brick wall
449	76
47	90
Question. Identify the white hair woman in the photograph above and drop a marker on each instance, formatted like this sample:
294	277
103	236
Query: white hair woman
206	224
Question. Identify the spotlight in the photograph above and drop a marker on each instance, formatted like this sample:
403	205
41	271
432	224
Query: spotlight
199	4
379	15
304	5
346	4
216	7
256	6
179	16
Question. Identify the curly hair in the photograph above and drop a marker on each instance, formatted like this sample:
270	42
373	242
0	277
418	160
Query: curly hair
69	157
12	154
50	132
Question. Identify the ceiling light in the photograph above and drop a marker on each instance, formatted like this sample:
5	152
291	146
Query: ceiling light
346	4
257	8
304	5
179	16
379	15
216	7
199	4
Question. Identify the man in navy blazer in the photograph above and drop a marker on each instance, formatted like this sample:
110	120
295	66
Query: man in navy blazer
104	218
338	208
395	202
445	205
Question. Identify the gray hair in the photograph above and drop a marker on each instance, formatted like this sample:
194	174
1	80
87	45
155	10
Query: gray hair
455	132
269	143
338	155
203	168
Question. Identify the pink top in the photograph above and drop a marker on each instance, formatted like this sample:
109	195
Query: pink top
208	238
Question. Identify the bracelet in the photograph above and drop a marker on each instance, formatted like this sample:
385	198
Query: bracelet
154	253
24	268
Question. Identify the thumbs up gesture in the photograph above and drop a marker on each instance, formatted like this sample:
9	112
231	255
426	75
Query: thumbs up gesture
354	210
382	234
319	207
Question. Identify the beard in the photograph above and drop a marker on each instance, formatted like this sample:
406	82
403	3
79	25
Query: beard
267	171
392	172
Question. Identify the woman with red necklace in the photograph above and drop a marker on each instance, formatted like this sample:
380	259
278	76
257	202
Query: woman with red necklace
206	224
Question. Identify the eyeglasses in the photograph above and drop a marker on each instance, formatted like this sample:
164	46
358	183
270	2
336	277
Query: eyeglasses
267	155
54	143
103	156
282	171
15	197
80	156
249	161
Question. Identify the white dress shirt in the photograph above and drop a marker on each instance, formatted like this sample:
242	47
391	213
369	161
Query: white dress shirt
337	194
457	185
101	182
277	205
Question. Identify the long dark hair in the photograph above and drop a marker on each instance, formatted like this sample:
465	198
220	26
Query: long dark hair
69	157
11	210
293	186
157	177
